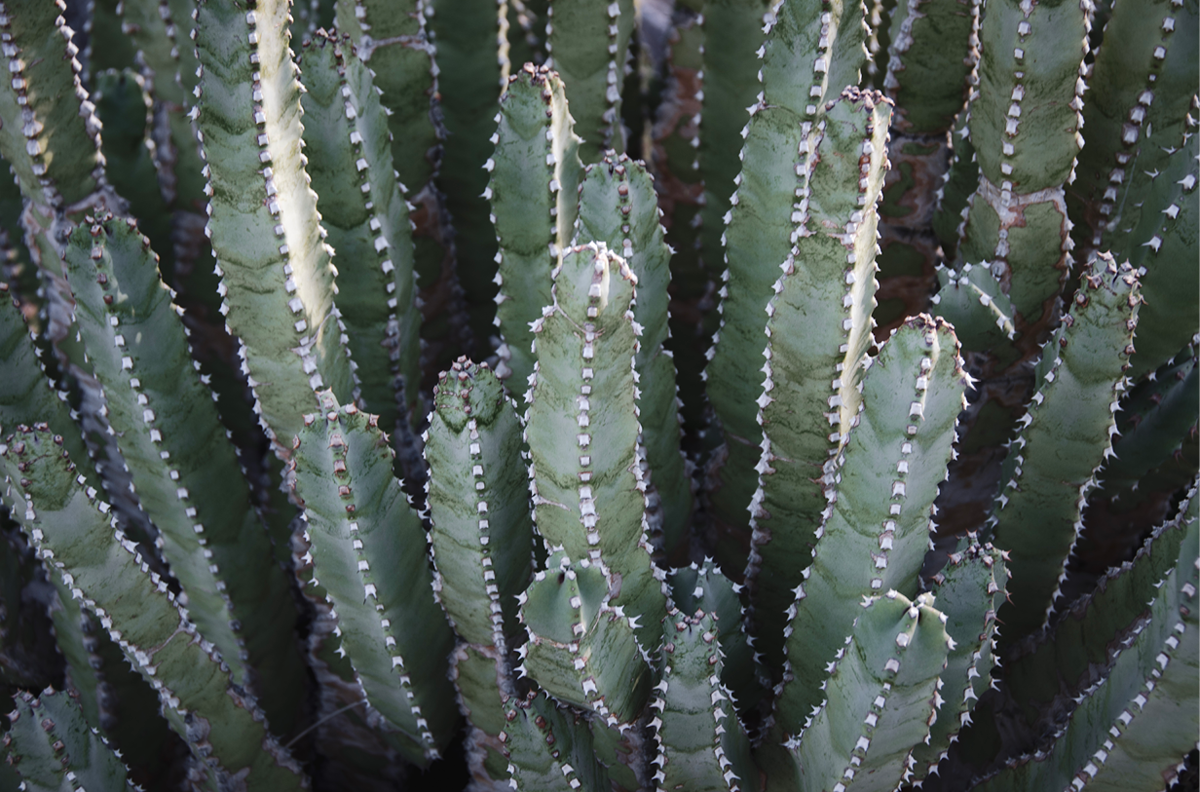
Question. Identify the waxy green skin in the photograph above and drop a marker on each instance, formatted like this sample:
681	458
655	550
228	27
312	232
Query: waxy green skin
588	492
75	538
881	694
972	300
350	161
549	749
801	70
50	741
277	278
592	67
533	193
1064	438
881	488
962	179
618	206
1126	719
701	743
816	332
368	547
184	469
482	535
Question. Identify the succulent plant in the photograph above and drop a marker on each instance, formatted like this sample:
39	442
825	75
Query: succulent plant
448	388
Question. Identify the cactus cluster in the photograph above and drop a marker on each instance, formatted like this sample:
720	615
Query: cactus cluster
561	395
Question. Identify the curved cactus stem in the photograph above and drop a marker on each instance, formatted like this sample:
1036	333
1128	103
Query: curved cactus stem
1062	441
473	69
809	394
960	183
970	589
52	747
184	469
702	587
617	206
276	275
971	299
364	211
549	749
881	699
1125	716
701	744
485	684
583	650
533	191
592	67
811	52
368	547
588	492
881	490
482	535
76	537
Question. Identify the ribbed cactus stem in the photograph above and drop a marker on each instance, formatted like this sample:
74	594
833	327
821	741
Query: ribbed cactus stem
52	747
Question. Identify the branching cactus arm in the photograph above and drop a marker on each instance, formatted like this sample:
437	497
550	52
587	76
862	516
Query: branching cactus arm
535	176
1062	441
277	279
73	535
362	207
974	302
368	547
588	495
881	492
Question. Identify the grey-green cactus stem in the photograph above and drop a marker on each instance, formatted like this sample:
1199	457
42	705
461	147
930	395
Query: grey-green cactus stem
478	502
972	300
1063	439
882	690
960	183
618	206
184	469
970	589
276	273
368	547
52	747
588	492
549	748
533	192
811	52
592	67
473	68
880	489
1025	130
1140	89
363	210
701	744
1124	717
76	537
808	396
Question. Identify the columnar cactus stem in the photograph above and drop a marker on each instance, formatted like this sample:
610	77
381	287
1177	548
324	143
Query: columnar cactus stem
880	488
810	392
588	494
811	52
972	300
960	183
1062	441
183	467
277	278
549	748
364	211
49	740
592	67
533	191
76	537
368	548
617	206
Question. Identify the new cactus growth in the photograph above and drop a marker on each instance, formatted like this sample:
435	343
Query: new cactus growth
849	444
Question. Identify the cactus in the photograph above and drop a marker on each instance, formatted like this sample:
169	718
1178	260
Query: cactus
369	410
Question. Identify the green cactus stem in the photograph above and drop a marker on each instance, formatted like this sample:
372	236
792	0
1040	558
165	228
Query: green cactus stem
880	490
618	206
809	395
972	300
960	183
533	193
1063	439
549	749
588	495
49	740
276	273
76	537
368	548
362	207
